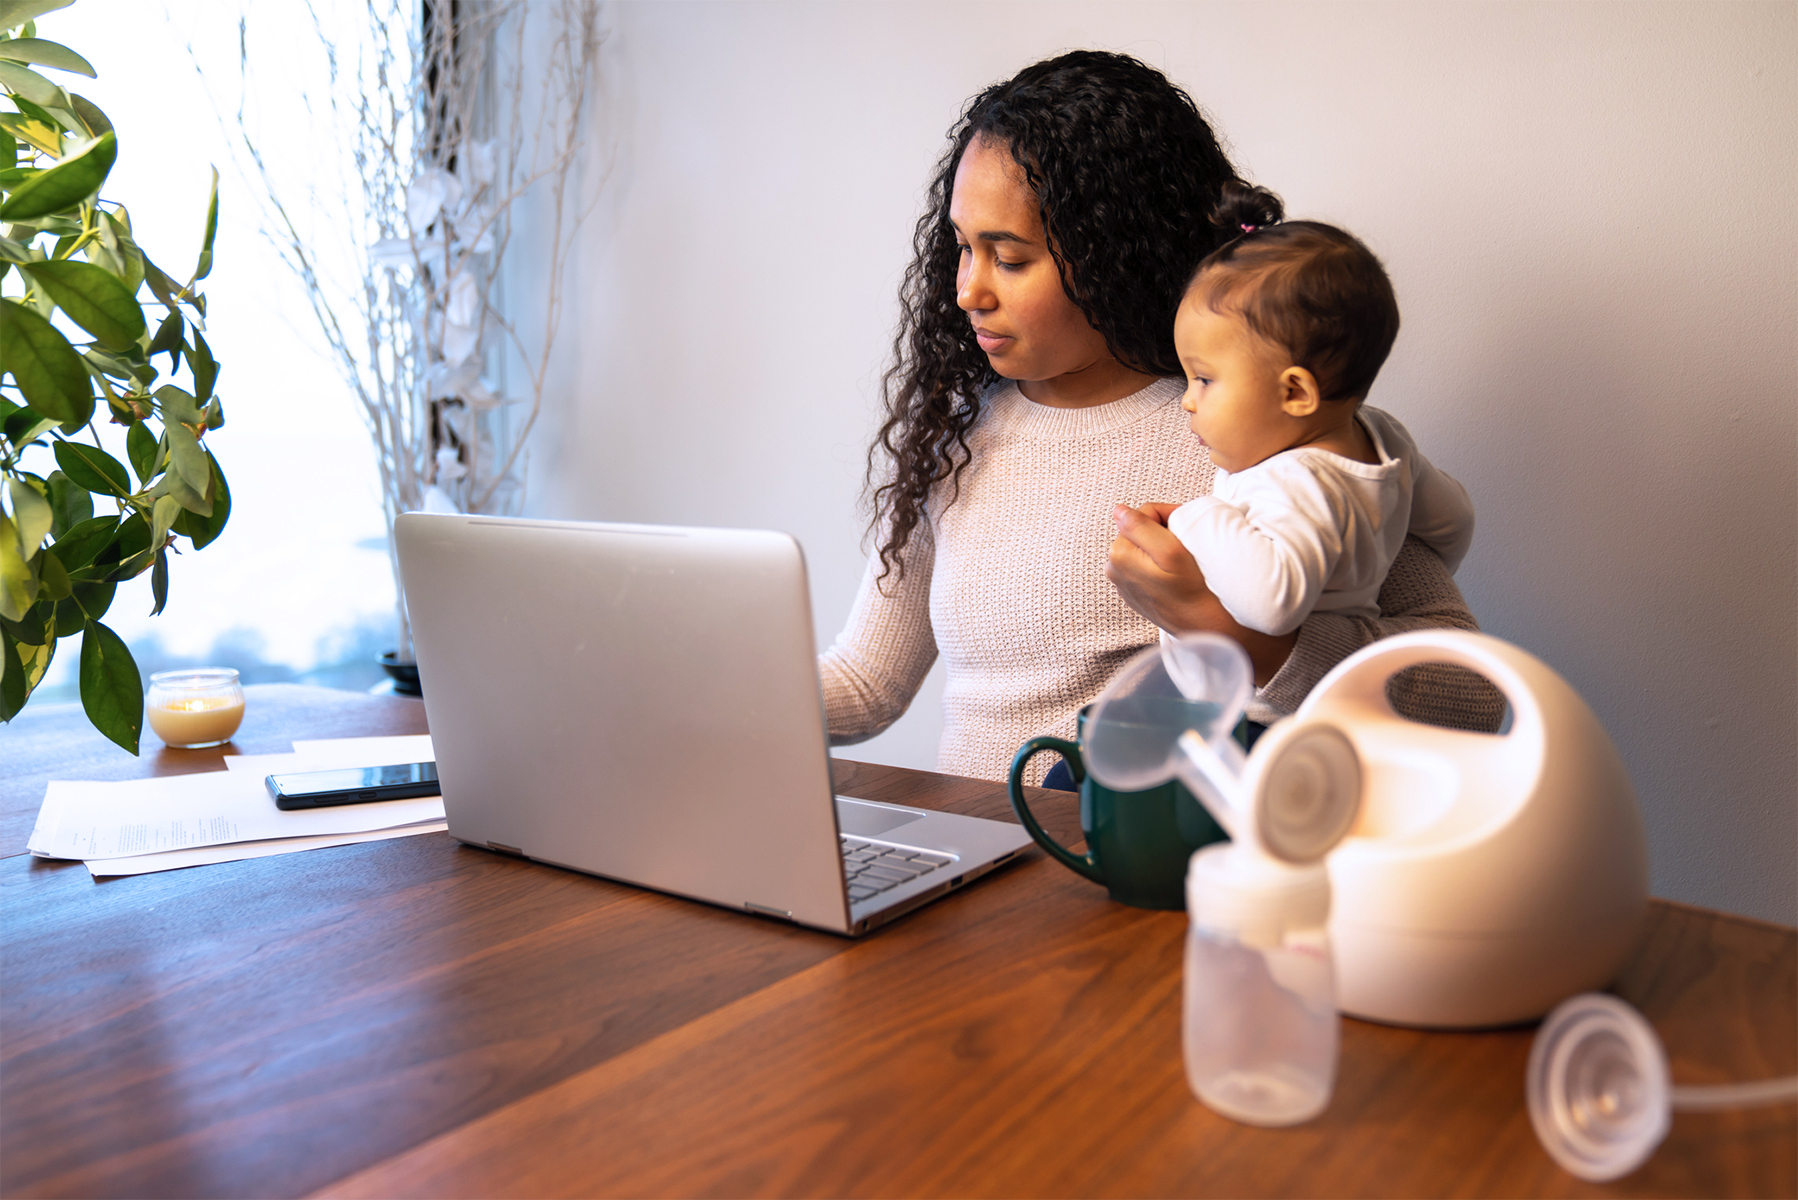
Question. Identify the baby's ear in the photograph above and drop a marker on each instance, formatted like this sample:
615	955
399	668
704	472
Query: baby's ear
1301	396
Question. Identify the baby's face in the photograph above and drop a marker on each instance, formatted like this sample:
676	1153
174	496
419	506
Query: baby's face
1233	386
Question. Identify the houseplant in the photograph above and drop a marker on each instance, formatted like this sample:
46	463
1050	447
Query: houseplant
78	345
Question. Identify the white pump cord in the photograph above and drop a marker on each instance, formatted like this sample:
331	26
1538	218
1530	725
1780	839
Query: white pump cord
1734	1095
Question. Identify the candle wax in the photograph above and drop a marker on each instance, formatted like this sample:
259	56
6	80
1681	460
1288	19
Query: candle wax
196	720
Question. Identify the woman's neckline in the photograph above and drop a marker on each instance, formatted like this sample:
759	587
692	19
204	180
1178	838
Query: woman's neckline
1011	407
1100	378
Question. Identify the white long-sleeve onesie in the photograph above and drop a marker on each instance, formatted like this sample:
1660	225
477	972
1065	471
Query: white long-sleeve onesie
1309	530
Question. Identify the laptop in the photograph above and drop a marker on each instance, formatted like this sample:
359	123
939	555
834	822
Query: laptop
641	702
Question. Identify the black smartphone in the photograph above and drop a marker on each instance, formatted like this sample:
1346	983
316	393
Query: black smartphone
357	785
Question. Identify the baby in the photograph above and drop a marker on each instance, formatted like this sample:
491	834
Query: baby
1281	334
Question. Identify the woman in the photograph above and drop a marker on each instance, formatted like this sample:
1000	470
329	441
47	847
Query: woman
1034	400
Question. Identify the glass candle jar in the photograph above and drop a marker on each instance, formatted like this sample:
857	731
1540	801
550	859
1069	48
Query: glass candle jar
190	709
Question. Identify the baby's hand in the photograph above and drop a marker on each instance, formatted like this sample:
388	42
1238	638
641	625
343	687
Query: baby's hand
1156	576
1154	511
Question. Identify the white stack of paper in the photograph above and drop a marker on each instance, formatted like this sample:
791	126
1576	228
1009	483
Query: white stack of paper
135	826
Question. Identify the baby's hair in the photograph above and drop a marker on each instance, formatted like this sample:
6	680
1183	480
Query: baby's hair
1313	289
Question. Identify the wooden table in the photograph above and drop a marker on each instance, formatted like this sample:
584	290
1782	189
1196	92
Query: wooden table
415	1017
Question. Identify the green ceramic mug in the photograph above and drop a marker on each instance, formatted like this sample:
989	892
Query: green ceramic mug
1138	843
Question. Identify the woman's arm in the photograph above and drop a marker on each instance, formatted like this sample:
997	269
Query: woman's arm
1157	577
879	660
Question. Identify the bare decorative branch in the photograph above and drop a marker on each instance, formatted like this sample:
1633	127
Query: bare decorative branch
452	125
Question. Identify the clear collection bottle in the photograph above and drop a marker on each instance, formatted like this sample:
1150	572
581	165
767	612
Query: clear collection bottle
1260	1025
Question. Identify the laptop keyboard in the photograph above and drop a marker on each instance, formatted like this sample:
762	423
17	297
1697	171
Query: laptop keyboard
871	868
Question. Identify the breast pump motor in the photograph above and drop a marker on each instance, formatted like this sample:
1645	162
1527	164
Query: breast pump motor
1474	879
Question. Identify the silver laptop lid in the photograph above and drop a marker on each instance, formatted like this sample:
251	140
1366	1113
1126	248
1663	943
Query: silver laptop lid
552	655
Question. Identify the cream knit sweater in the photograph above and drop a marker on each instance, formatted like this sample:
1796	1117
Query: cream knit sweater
1007	583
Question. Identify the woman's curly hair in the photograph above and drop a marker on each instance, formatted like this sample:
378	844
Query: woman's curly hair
1126	174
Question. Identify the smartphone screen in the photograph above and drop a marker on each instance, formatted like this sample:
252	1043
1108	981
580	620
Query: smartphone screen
357	785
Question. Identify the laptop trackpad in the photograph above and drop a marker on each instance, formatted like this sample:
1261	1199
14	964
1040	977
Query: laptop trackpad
857	818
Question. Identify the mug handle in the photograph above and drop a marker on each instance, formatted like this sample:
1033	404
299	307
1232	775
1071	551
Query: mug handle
1079	864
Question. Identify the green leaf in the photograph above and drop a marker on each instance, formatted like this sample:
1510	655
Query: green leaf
166	289
18	576
63	113
93	468
35	658
112	691
178	405
94	299
191	499
44	365
23	662
168	339
71	505
26	425
87	601
132	546
56	225
82	543
162	515
182	424
46	54
104	362
205	529
32	629
65	185
52	577
13	692
102	256
141	448
9	149
32	514
23	81
204	268
96	121
159	582
36	128
115	235
14	13
205	370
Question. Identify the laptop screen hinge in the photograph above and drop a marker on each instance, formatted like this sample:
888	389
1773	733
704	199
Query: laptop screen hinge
503	849
753	907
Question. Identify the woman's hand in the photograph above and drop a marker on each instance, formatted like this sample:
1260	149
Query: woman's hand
1157	577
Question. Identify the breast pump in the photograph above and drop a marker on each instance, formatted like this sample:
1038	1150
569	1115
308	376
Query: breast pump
1472	880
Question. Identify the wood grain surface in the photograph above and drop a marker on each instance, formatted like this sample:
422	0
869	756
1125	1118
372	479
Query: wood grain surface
415	1017
1039	1056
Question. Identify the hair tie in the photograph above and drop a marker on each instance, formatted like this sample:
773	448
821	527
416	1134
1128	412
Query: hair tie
1250	228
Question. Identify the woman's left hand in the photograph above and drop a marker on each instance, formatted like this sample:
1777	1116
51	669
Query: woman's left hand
1156	576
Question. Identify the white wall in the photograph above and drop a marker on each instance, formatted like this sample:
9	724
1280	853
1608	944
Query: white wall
1587	211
